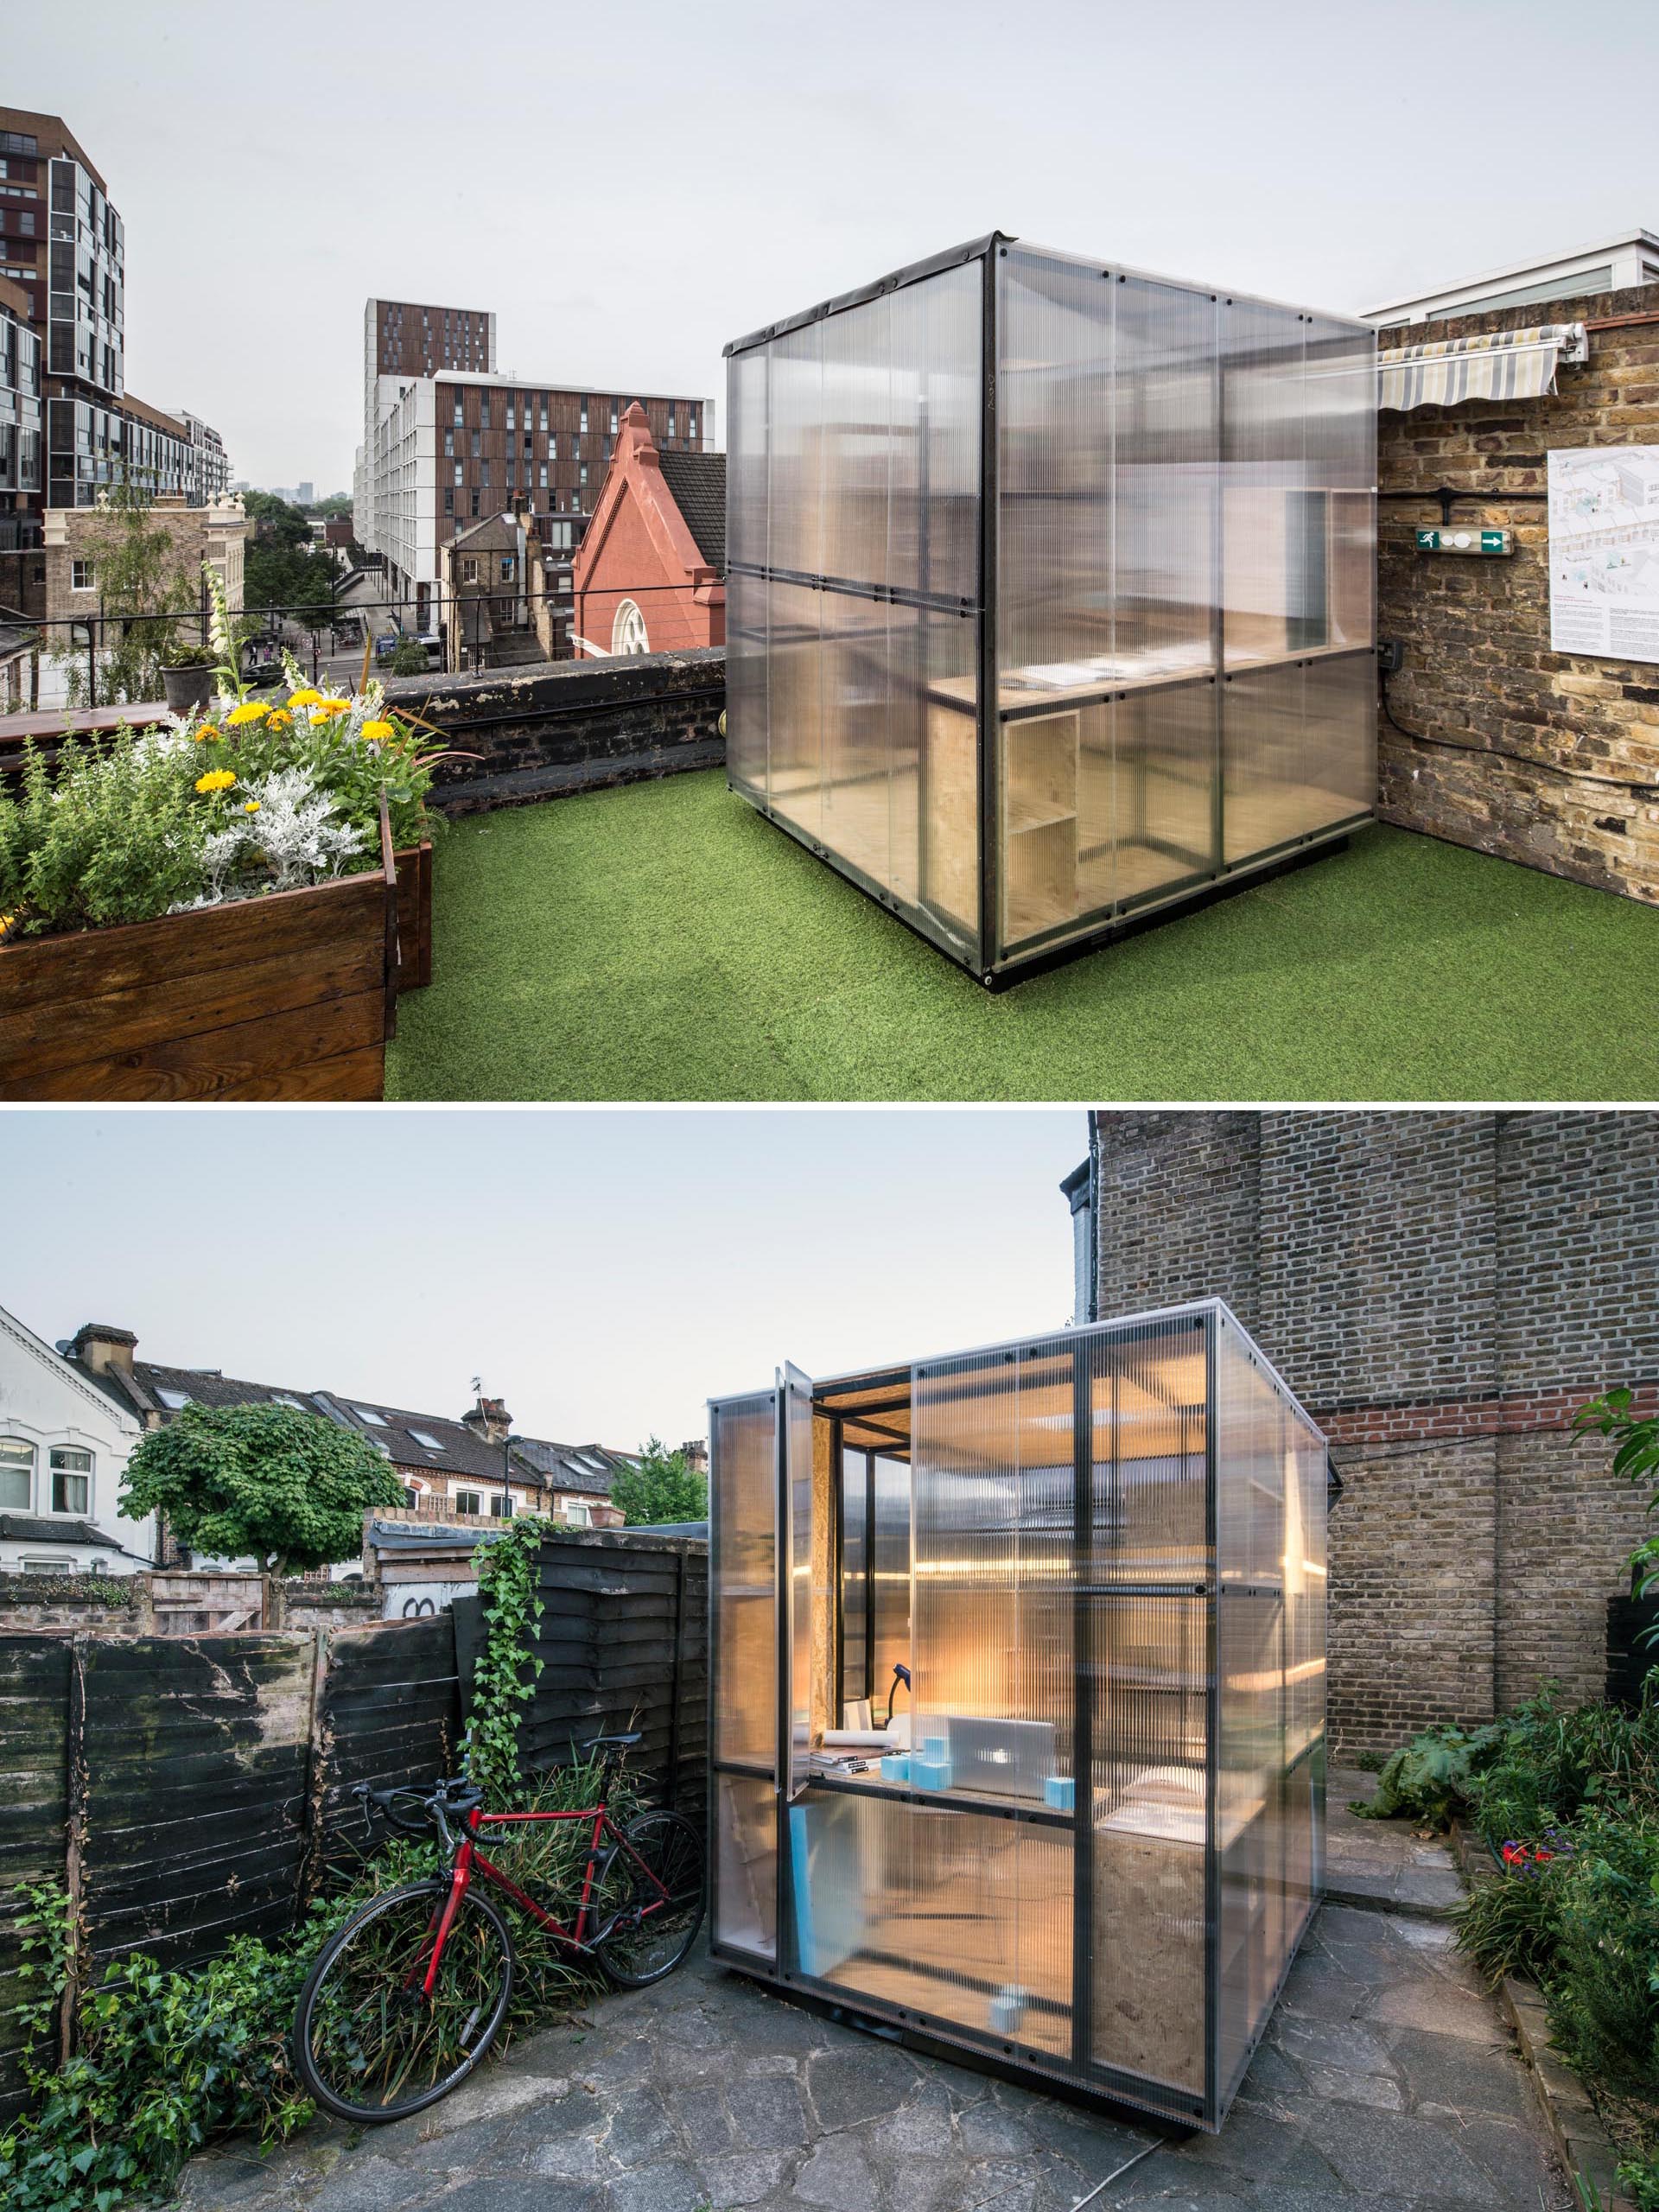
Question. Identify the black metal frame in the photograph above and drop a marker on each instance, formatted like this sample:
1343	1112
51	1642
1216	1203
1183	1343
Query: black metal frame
1080	936
1079	2073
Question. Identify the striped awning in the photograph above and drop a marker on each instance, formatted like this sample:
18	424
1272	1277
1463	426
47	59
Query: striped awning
1500	365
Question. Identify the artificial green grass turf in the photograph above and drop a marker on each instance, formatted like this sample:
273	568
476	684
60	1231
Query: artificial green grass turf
663	942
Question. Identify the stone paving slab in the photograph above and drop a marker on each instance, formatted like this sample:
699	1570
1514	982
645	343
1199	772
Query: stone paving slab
1387	2080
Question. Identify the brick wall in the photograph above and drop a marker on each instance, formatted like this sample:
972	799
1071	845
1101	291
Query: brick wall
1543	758
543	731
1443	1290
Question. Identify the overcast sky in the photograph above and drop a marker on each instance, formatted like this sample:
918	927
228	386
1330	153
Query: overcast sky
627	188
605	1271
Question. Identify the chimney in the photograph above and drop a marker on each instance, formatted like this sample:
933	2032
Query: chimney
489	1418
696	1454
97	1347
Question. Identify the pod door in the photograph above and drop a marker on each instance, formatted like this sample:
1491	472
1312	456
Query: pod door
744	1438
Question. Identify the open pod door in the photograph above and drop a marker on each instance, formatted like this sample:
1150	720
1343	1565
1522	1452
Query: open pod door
745	1696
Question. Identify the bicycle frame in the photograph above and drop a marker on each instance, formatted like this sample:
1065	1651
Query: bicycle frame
469	1862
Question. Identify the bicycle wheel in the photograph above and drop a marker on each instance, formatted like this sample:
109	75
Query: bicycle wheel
368	2043
654	1909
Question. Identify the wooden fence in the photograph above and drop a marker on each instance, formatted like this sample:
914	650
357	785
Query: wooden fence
624	1643
188	1788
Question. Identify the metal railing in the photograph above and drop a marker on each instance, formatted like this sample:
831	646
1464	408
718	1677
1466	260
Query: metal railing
293	625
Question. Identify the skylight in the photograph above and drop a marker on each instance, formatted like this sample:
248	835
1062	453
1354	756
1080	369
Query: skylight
431	1443
287	1398
175	1398
368	1414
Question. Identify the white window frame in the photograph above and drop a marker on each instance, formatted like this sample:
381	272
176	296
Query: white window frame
468	570
83	574
628	630
458	1500
16	1445
83	1474
577	1513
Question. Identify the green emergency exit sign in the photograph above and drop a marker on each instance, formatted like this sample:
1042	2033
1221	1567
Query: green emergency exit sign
1466	540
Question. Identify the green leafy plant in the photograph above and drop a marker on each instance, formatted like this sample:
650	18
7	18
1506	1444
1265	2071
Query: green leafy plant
1429	1777
663	1487
504	1679
286	1486
115	833
408	658
1637	1458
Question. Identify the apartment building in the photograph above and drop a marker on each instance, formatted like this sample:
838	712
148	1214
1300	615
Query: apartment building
63	261
448	439
20	424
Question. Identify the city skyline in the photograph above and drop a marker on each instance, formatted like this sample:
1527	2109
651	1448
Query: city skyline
755	167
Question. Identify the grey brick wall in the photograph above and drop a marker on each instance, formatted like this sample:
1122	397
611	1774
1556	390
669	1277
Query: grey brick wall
1442	1289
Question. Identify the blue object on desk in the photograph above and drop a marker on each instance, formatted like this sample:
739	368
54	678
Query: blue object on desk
1060	1793
930	1774
895	1767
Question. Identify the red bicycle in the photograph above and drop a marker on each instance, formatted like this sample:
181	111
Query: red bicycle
409	1995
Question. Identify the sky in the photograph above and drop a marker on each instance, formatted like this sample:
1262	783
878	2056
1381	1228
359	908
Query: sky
605	1271
629	188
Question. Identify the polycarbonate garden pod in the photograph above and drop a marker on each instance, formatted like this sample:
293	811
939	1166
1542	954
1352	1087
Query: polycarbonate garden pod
1070	1592
1051	592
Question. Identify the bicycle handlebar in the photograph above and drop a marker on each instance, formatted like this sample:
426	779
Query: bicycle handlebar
449	1799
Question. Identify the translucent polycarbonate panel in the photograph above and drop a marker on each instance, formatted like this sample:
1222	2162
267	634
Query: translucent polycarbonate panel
743	1578
746	1864
1054	473
1339	737
746	683
935	352
1273	516
1341	436
794	433
1162	808
746	458
935	791
855	821
962	1918
856	1563
856	443
1149	1660
1265	791
798	1493
1147	1391
1270	1524
1165	435
794	704
890	1584
991	1632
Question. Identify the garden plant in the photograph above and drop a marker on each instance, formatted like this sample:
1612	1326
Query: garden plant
1566	1798
249	797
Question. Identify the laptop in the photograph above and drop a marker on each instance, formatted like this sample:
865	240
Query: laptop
1002	1759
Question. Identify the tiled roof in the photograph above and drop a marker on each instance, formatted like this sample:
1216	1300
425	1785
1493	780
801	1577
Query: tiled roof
698	483
43	1529
420	1442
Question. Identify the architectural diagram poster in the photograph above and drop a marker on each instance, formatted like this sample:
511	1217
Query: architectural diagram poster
1603	551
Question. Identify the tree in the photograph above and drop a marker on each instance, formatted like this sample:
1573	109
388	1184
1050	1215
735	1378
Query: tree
663	1487
286	1486
143	587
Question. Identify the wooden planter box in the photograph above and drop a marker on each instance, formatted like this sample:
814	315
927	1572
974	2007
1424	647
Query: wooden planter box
293	996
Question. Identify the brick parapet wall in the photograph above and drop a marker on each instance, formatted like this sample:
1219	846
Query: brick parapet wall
1545	758
1443	1290
544	731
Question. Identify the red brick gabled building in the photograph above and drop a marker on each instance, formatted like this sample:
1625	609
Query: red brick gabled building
649	575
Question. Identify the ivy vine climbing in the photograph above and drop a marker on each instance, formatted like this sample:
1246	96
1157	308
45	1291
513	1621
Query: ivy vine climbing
504	1679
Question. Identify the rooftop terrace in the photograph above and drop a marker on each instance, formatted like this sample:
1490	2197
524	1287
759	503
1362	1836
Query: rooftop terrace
662	941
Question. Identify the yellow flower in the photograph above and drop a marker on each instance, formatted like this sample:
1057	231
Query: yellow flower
251	711
207	734
6	921
305	699
334	707
252	807
216	779
379	730
280	718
